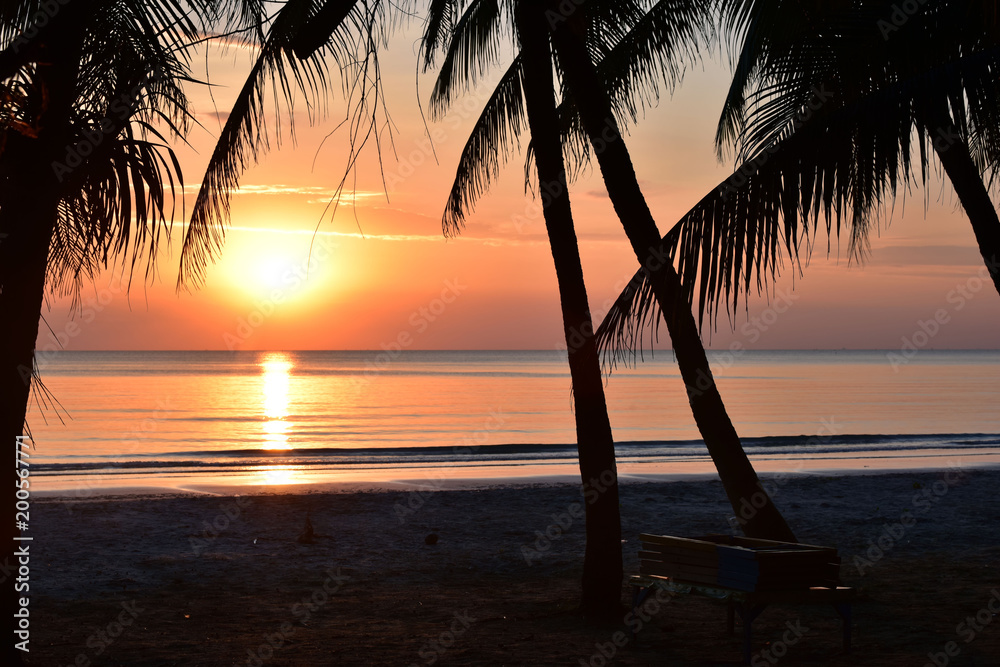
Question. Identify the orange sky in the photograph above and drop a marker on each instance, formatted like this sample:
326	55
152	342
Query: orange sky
494	287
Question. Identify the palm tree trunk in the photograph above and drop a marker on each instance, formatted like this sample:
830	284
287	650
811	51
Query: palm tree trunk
28	214
753	506
602	568
953	151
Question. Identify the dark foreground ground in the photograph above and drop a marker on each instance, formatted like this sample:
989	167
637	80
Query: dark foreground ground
147	582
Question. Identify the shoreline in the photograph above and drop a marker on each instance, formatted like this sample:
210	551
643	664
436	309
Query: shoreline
281	479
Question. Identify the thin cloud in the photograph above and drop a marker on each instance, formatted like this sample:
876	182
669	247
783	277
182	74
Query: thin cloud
321	194
437	238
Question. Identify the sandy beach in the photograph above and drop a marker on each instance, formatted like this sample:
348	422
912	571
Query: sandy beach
222	579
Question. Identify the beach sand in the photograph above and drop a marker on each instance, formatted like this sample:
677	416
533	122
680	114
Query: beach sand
144	580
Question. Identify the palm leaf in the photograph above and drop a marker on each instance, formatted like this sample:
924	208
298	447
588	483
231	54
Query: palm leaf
495	135
474	45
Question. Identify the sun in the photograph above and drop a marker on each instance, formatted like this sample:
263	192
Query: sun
273	272
282	267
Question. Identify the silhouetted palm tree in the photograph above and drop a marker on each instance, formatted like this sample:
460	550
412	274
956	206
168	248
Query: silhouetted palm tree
824	110
531	74
637	45
86	178
890	76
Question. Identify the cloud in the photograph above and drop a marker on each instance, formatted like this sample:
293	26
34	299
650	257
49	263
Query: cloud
925	255
355	235
226	41
215	116
321	194
392	237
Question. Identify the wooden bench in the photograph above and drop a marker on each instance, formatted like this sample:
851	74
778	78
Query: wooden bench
749	604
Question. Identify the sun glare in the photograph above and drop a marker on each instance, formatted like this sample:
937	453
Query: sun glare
281	267
273	272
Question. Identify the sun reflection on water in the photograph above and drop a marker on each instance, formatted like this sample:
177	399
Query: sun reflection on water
278	474
275	368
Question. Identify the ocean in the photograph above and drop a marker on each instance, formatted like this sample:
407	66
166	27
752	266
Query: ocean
198	421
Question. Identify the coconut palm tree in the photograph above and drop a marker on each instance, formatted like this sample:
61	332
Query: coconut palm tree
930	75
635	45
88	93
825	137
531	92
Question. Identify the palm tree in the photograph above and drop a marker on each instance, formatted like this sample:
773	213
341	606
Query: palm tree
85	176
760	517
531	73
823	136
636	46
933	76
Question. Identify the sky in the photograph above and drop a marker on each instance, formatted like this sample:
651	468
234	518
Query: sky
379	273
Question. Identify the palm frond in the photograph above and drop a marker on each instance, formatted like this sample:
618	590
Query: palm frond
655	49
440	23
734	242
495	135
474	45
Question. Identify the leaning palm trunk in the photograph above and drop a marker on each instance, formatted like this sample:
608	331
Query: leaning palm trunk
602	567
965	177
754	509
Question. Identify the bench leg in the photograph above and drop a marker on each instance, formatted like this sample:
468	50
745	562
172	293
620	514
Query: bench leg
639	595
748	612
844	609
730	617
